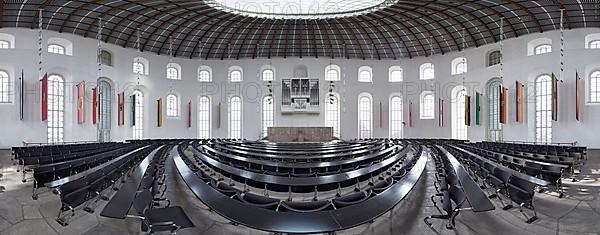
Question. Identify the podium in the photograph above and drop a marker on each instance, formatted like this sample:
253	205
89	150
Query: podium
300	134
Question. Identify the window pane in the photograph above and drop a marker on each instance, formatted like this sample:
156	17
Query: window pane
267	114
268	75
138	128
172	106
332	114
235	118
204	118
365	117
543	113
4	45
396	117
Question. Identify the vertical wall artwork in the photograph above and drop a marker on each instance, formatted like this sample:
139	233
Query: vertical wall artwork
81	102
189	118
410	114
477	108
133	110
554	98
502	104
577	97
121	115
21	96
441	113
519	101
467	110
94	105
159	112
45	97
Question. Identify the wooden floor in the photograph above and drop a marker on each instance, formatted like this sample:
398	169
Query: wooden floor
577	213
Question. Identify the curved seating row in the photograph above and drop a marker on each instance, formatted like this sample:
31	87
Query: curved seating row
92	186
289	216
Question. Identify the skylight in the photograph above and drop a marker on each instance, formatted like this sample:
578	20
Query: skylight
300	9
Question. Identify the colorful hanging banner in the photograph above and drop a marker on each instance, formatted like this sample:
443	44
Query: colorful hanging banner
577	97
159	112
519	101
554	98
477	108
121	109
441	113
189	124
21	96
133	97
410	115
45	97
80	102
502	103
94	105
467	110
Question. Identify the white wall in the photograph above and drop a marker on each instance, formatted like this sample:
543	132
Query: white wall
82	66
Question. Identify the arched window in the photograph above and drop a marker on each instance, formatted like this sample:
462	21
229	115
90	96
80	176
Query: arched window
173	71
138	128
427	103
494	125
396	117
56	109
236	74
204	74
595	44
268	114
5	92
395	74
235	117
4	44
105	58
543	109
140	65
427	71
172	106
459	129
332	73
365	74
268	75
543	49
459	66
494	58
365	116
204	117
105	110
595	87
332	113
56	49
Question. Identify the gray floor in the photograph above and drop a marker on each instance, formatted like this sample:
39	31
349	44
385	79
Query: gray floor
577	213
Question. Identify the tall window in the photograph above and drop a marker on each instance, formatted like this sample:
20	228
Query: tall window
543	109
204	117
365	74
595	87
459	66
172	106
268	75
5	93
56	49
235	76
105	58
235	117
395	74
138	67
56	109
593	44
204	76
172	73
396	117
494	126
494	58
426	71
268	113
427	104
4	44
332	73
459	129
543	49
138	128
332	114
365	116
105	110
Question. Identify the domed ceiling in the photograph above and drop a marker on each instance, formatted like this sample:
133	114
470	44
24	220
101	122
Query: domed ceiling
363	29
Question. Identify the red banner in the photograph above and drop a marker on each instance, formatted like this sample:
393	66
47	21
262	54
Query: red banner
94	105
45	97
554	98
467	110
519	101
159	112
502	103
80	102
